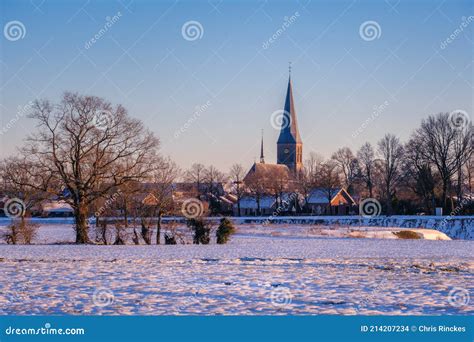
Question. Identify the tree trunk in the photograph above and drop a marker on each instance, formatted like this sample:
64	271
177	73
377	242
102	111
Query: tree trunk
125	214
443	195
238	206
258	206
80	214
146	233
158	228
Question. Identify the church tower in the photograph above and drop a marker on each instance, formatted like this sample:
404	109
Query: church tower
289	144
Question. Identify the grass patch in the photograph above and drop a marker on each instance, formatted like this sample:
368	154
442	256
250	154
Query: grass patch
407	234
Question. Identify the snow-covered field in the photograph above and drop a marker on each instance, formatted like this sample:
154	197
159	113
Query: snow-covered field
269	272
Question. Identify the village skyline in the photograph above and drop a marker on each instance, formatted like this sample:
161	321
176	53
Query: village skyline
203	100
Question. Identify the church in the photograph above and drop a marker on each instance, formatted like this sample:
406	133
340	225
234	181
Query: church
269	186
289	144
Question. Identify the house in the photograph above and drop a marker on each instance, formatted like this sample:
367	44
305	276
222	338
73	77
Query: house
249	206
341	202
269	205
56	208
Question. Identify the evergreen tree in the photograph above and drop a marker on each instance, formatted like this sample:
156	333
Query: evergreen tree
224	231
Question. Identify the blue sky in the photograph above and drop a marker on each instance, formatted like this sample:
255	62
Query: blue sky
143	62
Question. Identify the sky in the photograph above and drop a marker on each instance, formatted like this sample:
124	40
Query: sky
206	76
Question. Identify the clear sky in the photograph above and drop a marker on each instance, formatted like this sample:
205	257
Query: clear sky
236	68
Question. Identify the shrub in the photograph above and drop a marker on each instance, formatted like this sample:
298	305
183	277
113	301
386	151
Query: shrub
407	234
20	232
170	239
224	231
201	231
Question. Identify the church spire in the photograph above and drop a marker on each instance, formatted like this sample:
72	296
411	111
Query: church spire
289	143
262	158
289	132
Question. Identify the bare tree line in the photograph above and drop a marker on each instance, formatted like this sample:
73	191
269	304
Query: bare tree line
99	160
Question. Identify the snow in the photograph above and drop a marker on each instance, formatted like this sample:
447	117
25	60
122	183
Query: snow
262	271
456	227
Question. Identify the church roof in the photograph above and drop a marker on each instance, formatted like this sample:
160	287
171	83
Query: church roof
289	132
261	169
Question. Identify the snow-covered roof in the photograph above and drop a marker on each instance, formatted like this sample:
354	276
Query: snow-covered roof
57	207
248	202
320	195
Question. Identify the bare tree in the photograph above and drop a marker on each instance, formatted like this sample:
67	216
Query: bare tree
196	175
237	174
163	179
447	147
366	157
308	177
18	180
347	164
419	175
89	147
257	186
391	152
470	173
328	180
213	180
